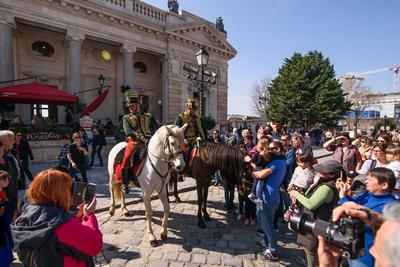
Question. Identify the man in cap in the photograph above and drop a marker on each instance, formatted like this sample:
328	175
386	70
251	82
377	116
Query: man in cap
138	127
195	127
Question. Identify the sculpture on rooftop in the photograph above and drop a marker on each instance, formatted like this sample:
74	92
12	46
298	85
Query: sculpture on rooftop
173	6
219	25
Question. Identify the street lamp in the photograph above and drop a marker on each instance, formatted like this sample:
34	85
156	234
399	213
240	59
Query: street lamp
201	77
262	101
101	79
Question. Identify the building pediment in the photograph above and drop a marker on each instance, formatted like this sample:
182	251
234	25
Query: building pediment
201	34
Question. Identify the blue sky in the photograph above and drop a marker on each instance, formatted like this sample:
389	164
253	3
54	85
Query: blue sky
357	36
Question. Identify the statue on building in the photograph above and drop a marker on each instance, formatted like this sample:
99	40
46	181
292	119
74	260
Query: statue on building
219	25
173	6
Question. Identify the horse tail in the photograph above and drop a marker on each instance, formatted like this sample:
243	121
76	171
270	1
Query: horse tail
117	190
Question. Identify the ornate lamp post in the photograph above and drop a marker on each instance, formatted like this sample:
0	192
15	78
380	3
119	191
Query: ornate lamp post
201	77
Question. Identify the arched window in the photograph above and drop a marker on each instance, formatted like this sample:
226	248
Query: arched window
140	67
44	49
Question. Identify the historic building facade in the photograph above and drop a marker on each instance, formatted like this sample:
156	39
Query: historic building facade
68	44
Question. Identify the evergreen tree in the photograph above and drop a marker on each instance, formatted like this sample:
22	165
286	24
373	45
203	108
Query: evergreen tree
306	92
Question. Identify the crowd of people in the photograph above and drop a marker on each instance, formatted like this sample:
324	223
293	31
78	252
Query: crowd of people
287	180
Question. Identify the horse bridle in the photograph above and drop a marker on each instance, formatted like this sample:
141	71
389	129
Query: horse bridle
171	156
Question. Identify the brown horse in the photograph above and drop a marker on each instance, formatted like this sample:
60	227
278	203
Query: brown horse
209	158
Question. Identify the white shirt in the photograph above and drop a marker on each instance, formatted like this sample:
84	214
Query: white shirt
302	177
367	166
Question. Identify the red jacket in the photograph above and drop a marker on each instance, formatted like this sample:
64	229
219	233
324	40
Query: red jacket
57	238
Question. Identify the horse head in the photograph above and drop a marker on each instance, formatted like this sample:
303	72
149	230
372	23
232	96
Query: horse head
173	143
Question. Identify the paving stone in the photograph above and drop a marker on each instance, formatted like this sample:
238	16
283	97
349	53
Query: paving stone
191	264
247	263
185	257
136	262
227	237
117	263
176	264
157	263
135	242
214	259
171	256
237	245
157	254
233	261
199	258
221	244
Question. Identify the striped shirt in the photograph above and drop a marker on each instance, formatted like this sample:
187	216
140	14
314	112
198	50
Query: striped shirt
63	151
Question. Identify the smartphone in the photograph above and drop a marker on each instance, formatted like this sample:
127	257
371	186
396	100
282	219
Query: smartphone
83	192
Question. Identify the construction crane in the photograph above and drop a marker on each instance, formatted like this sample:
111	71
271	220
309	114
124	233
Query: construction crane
350	78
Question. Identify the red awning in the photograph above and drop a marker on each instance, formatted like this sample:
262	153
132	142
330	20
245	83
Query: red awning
95	104
34	93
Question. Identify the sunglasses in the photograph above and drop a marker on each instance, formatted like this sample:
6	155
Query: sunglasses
363	141
18	135
284	140
380	141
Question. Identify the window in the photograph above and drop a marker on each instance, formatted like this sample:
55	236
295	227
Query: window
140	67
43	110
44	49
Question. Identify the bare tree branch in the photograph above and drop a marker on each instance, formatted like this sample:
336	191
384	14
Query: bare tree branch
361	98
260	96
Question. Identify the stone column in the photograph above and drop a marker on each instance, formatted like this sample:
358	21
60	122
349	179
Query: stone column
7	24
165	88
128	64
75	41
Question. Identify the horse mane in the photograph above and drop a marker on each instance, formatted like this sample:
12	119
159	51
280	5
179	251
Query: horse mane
228	159
173	130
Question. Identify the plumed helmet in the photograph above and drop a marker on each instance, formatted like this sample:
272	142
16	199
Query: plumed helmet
131	99
192	103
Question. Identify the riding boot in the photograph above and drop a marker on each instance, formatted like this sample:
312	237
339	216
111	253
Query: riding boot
125	180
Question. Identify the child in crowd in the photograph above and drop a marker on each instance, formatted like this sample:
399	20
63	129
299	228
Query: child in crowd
4	177
259	161
393	156
303	177
62	156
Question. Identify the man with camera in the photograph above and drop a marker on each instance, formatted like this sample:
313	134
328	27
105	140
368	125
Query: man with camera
386	247
380	185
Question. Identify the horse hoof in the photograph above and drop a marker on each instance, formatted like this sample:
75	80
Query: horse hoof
201	225
206	217
163	237
112	211
126	213
154	243
178	200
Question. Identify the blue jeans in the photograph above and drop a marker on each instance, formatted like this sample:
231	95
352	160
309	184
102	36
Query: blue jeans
356	263
217	177
266	217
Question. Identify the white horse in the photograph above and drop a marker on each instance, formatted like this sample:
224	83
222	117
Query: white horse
164	151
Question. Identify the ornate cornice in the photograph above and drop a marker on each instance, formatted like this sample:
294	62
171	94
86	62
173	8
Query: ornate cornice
7	19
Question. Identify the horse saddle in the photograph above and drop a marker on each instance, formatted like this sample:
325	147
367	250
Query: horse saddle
137	160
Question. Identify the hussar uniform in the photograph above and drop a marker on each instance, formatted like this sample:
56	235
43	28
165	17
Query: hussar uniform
195	125
138	127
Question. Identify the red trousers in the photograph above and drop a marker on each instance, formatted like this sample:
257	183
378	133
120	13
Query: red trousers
130	149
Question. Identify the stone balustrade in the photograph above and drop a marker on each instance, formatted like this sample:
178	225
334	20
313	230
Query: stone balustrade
118	3
150	12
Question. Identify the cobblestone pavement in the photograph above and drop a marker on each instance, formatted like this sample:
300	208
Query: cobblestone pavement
225	242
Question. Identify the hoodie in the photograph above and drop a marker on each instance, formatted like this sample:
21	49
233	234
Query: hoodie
51	236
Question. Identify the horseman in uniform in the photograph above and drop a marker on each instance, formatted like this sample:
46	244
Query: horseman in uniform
138	127
195	129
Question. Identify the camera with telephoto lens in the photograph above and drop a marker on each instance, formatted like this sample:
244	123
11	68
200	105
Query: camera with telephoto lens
347	234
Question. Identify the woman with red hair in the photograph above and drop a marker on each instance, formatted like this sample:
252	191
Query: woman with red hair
47	234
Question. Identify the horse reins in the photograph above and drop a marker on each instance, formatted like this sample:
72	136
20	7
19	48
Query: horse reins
171	155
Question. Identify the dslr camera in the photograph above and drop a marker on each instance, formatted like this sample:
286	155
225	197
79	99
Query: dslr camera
347	234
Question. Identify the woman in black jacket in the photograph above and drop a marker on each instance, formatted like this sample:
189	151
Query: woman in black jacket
24	152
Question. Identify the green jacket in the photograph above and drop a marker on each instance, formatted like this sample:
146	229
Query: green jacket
196	126
139	125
